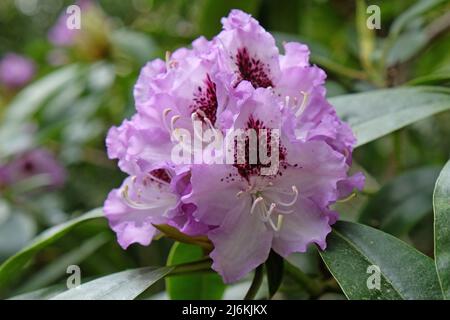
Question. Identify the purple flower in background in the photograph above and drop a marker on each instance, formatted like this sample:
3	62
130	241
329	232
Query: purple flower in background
16	70
238	81
37	163
60	35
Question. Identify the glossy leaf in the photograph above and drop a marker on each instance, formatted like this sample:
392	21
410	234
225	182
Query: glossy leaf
441	203
11	267
138	46
377	113
439	77
196	286
58	267
274	270
125	285
41	294
16	231
414	11
28	100
356	254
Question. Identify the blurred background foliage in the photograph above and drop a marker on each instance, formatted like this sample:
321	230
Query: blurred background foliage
81	89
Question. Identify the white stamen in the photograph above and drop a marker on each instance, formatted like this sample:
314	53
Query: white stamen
195	117
255	203
172	122
284	211
302	107
239	194
206	119
137	205
279	223
270	211
165	113
293	201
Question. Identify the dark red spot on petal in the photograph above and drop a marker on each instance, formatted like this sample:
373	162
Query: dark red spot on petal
161	174
205	99
252	70
247	169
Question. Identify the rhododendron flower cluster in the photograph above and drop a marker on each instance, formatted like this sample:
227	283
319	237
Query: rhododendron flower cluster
239	80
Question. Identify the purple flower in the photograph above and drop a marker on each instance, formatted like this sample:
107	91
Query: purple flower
238	81
145	200
285	211
16	70
59	34
31	164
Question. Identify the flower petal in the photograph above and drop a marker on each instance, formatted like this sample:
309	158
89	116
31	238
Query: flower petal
214	191
241	243
133	223
307	224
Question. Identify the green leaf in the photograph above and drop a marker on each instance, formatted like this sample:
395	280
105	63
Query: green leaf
125	285
57	268
197	286
16	231
274	269
441	204
406	46
414	11
405	272
401	203
29	99
377	113
138	46
438	77
41	294
15	138
12	267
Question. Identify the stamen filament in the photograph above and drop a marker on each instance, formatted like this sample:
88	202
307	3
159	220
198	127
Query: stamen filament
302	107
136	205
293	201
165	114
255	203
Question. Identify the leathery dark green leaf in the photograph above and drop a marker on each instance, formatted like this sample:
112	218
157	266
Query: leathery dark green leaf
274	270
357	256
374	114
441	204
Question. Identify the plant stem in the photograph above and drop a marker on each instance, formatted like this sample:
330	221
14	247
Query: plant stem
190	267
256	283
313	287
